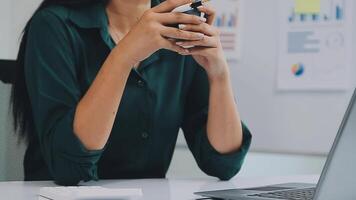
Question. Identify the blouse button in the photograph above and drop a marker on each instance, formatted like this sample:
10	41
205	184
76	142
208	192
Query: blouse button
140	83
144	135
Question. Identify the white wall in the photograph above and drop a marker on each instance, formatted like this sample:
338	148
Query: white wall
296	122
257	164
4	33
11	150
3	117
14	15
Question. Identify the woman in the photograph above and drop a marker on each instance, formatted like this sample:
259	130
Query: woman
104	86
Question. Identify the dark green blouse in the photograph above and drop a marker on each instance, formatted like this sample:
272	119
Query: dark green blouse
65	49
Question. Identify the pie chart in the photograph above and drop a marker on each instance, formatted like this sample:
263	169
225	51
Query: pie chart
298	69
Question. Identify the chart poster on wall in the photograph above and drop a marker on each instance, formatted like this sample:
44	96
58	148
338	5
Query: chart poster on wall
315	49
228	20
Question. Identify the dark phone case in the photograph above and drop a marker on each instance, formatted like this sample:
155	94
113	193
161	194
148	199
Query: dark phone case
193	11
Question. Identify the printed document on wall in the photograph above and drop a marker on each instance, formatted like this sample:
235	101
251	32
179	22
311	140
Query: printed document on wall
228	20
315	49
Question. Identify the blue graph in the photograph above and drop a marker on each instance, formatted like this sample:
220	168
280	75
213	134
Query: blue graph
226	20
334	13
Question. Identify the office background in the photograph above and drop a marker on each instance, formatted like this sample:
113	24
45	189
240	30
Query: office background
292	130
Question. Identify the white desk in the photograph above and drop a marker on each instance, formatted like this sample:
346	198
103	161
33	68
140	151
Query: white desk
154	189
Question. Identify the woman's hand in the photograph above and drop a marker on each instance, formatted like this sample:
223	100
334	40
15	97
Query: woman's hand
224	129
208	51
152	32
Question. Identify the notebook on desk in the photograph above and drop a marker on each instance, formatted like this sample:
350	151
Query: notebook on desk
88	193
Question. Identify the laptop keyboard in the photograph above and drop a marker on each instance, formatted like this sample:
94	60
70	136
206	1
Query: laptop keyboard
300	194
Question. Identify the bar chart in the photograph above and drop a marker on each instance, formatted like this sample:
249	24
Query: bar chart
331	11
227	20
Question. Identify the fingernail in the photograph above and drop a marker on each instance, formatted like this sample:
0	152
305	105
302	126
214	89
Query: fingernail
200	7
188	47
179	43
182	26
200	35
203	19
186	51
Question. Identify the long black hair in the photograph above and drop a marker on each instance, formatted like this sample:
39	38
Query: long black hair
20	102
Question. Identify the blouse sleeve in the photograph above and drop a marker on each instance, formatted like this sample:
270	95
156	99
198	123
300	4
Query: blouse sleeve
54	92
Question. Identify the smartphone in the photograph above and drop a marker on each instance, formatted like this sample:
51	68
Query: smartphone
190	9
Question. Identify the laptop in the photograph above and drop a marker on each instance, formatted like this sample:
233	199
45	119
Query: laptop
337	181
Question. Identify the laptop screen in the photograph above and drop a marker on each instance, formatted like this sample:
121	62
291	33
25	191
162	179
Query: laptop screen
338	180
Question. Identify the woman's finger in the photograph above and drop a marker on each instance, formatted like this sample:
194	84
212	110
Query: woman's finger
170	32
197	51
170	45
180	18
209	11
205	42
201	28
